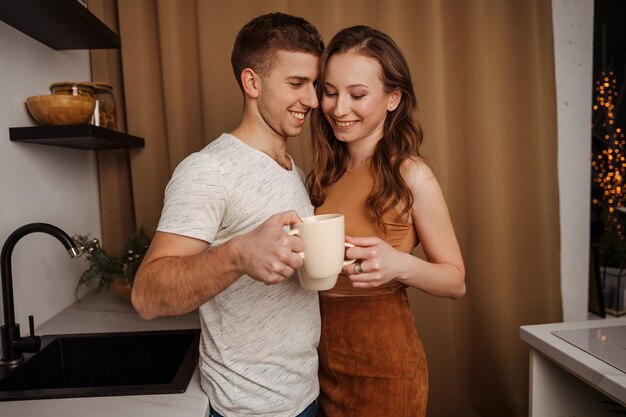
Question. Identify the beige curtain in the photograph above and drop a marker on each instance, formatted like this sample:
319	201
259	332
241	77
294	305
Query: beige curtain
116	199
484	75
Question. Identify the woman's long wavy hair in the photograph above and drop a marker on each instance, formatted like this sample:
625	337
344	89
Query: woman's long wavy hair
402	134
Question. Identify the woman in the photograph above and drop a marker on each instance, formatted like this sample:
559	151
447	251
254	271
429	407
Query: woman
367	166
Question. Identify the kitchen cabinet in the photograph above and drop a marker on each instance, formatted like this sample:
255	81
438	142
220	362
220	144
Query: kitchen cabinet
566	379
59	24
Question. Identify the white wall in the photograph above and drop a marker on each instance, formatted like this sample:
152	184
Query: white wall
42	183
573	52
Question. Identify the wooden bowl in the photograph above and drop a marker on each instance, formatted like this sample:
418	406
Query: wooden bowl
61	109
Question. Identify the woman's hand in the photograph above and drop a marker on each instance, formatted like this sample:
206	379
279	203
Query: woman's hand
377	265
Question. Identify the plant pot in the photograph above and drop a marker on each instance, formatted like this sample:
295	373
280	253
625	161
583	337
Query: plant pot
122	289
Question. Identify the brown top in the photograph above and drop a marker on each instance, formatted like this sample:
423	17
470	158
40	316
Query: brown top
347	196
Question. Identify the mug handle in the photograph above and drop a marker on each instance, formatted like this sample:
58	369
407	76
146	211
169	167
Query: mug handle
349	261
296	232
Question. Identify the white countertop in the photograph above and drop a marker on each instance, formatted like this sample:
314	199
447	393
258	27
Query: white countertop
106	312
599	374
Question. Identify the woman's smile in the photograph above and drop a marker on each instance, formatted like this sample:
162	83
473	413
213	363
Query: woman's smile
344	124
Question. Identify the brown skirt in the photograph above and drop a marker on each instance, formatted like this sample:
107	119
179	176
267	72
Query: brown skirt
372	362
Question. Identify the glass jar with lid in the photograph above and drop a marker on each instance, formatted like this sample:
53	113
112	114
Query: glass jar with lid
105	114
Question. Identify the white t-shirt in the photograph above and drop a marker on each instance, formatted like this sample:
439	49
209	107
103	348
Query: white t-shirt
258	353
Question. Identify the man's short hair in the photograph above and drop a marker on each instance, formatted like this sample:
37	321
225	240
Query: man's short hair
259	41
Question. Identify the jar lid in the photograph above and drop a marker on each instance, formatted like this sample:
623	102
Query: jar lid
100	85
81	84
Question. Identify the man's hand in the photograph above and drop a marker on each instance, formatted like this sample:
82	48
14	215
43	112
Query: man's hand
268	254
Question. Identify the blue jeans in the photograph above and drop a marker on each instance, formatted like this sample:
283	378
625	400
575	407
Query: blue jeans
310	411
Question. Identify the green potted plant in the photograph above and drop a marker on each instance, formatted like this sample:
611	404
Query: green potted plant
106	269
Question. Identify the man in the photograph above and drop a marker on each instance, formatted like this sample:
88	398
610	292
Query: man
220	243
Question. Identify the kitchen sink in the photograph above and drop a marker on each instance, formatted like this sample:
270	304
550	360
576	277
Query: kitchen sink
104	364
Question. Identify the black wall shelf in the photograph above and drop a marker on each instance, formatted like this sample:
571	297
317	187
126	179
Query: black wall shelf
60	24
75	136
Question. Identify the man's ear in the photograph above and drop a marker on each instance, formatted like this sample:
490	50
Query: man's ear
394	100
250	82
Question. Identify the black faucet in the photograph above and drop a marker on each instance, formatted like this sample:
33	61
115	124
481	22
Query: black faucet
12	344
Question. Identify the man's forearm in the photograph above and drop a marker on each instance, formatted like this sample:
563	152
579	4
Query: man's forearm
175	285
179	274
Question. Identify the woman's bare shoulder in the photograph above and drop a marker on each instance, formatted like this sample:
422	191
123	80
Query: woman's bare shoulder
416	171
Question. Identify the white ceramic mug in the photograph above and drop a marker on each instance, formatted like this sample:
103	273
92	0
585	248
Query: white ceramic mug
323	237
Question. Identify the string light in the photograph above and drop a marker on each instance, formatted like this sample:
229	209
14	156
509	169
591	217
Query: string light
609	164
